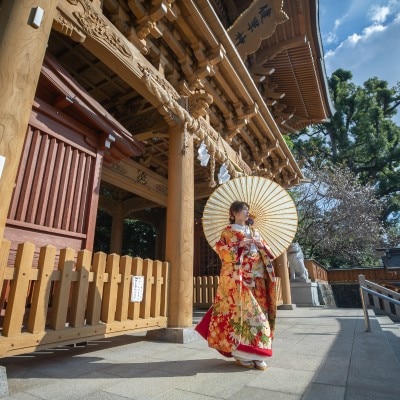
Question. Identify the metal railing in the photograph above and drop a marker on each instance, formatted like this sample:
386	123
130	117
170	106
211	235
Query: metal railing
380	298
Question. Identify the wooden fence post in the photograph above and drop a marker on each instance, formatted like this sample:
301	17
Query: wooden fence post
96	289
137	270
156	297
148	287
123	295
41	290
62	289
80	288
109	301
15	311
4	251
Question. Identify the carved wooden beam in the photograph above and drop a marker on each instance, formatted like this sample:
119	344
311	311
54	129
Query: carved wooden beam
134	205
127	207
79	19
216	145
116	51
146	122
137	179
120	19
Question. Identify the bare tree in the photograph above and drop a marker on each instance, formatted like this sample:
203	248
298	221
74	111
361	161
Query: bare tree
339	221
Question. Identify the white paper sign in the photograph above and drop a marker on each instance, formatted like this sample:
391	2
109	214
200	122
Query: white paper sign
137	288
2	161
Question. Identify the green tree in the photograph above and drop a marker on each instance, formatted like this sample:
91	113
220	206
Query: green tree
139	239
361	135
102	237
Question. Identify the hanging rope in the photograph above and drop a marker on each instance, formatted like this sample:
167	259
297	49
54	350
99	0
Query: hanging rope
223	147
185	139
212	169
192	125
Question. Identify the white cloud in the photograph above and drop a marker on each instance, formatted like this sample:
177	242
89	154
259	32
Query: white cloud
363	39
379	14
329	54
370	30
338	22
332	37
353	39
365	36
374	53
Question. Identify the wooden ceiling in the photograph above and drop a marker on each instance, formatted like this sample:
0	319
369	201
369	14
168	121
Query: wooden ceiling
277	90
294	53
288	66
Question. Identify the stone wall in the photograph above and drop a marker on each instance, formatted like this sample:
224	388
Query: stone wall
325	295
346	295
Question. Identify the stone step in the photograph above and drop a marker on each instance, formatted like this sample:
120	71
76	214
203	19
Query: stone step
392	333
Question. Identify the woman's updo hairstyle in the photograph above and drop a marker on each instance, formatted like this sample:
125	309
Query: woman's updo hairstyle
236	207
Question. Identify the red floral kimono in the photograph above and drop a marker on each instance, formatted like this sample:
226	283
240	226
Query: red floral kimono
244	309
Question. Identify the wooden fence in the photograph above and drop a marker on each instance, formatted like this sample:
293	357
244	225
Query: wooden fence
318	273
205	289
85	297
378	275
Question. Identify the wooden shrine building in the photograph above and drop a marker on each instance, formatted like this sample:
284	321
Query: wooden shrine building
104	104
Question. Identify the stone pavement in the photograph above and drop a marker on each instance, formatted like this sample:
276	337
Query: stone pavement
319	354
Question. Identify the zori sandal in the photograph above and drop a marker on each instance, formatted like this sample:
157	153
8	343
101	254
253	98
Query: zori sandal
261	365
245	364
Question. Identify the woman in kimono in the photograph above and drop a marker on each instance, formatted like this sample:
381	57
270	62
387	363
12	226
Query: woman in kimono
244	310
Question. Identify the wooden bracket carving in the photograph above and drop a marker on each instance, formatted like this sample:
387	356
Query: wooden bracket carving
278	165
89	20
66	27
148	24
199	104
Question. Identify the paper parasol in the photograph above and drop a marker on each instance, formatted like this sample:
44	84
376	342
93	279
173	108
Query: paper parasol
275	214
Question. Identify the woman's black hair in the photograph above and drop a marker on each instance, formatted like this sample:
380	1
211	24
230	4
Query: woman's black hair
236	207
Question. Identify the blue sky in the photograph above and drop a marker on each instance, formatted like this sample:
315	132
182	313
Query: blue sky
362	36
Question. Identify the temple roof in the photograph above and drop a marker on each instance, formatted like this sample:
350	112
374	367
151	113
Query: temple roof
249	102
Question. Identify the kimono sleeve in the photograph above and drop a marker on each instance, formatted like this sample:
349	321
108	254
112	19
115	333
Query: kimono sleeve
227	247
266	250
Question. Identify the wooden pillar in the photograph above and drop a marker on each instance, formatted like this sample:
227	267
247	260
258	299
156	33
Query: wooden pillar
179	230
282	270
117	231
22	49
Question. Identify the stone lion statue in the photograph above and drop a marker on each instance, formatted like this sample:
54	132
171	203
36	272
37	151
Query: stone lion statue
297	269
